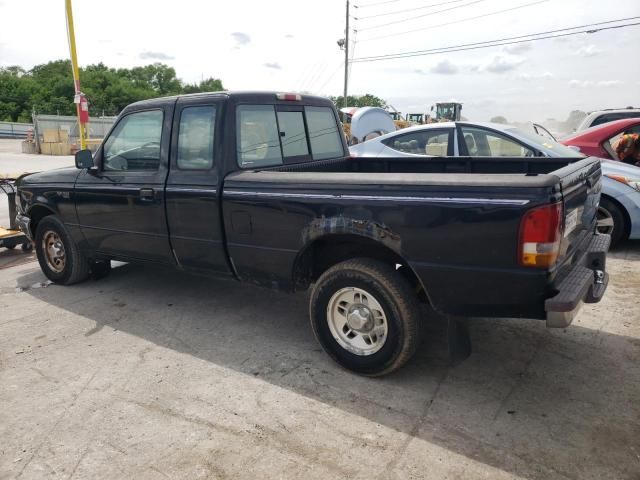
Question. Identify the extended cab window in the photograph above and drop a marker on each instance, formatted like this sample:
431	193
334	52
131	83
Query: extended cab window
257	143
195	138
268	137
134	143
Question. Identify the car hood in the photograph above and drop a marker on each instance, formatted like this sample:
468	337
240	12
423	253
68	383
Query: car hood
611	167
56	175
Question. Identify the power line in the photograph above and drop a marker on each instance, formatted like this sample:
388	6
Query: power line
492	43
330	77
376	4
522	36
453	22
407	10
420	16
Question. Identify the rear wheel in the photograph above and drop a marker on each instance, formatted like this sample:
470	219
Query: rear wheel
58	255
611	220
366	316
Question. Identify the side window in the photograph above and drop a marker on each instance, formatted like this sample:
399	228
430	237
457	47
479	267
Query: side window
258	144
422	142
292	134
614	140
134	144
195	138
323	133
484	143
610	117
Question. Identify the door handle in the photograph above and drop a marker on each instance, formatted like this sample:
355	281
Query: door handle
147	194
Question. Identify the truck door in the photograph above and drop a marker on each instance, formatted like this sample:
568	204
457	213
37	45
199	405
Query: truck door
120	206
193	208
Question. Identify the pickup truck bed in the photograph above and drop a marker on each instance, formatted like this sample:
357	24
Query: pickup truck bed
477	213
504	237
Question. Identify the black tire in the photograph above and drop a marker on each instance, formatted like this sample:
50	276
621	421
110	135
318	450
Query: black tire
75	266
100	269
611	210
398	301
9	247
27	247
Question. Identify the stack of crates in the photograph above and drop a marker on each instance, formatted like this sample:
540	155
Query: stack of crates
55	141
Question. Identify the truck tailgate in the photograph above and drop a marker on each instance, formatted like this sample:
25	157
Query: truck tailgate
580	185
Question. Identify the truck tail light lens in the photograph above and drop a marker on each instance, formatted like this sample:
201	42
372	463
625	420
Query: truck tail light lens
540	235
293	97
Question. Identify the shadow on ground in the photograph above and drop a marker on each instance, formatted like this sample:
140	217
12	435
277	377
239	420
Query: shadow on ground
533	402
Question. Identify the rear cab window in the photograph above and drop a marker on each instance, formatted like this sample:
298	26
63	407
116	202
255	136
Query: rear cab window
271	135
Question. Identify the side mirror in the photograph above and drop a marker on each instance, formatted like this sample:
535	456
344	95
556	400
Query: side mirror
84	159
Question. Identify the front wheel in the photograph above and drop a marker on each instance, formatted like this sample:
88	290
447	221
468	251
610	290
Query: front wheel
366	316
59	257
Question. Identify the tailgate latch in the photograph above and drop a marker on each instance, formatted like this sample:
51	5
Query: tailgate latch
599	276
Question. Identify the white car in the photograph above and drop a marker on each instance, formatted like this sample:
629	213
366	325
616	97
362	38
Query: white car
604	116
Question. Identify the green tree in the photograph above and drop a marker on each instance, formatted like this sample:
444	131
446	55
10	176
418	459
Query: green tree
367	100
209	85
48	88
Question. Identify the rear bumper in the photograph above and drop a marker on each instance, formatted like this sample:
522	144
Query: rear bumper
586	282
23	224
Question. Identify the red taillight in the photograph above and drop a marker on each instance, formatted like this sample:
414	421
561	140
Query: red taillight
293	97
540	235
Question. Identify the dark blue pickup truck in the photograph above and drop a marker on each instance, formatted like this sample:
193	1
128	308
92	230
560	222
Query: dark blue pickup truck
259	187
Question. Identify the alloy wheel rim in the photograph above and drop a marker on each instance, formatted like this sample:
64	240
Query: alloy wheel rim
54	252
357	321
604	222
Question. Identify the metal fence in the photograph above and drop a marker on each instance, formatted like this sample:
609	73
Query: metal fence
14	129
98	126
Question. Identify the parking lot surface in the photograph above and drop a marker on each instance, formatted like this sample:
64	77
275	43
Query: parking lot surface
151	373
13	162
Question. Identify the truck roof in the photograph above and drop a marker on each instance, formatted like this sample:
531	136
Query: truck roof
259	96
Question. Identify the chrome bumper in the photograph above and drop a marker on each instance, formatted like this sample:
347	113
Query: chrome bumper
24	223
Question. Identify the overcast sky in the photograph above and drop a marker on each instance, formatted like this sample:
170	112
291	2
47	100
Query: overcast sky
291	45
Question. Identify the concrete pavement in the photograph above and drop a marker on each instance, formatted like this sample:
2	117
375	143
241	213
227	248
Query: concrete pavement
13	161
156	374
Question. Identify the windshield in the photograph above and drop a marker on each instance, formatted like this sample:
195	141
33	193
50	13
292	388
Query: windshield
445	111
545	145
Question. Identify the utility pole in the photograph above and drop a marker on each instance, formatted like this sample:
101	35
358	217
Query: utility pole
346	56
80	101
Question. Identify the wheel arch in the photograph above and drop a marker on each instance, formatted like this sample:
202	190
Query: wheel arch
323	252
37	213
623	210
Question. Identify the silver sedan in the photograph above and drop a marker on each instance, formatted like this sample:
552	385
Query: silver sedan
462	139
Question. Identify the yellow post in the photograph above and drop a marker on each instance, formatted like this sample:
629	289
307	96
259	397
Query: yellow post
76	71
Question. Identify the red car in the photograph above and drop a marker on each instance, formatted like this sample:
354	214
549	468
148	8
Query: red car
599	141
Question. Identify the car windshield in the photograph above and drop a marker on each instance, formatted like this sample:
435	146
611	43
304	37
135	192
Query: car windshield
545	145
